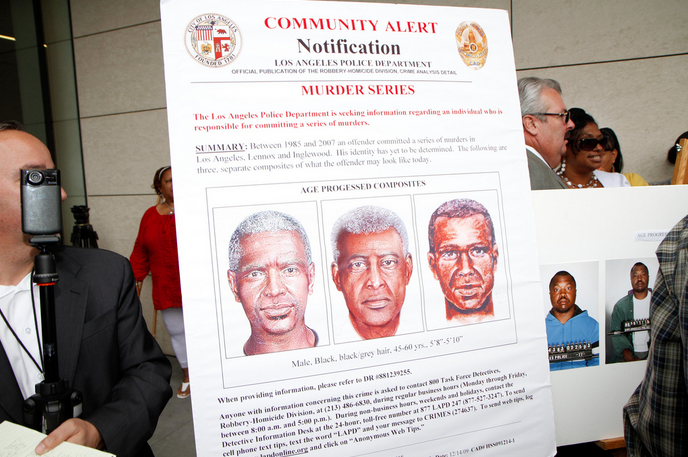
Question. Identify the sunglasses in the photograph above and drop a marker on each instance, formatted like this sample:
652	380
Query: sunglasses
589	144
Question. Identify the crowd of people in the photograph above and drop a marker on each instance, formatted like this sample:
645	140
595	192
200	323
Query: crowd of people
566	149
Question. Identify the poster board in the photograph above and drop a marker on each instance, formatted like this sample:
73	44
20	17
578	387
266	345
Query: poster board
598	235
314	108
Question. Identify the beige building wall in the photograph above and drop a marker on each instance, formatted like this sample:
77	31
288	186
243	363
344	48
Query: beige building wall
121	93
623	61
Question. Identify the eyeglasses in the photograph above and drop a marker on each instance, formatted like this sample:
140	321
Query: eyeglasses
565	115
589	144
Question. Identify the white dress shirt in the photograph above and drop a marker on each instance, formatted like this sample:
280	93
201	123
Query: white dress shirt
15	303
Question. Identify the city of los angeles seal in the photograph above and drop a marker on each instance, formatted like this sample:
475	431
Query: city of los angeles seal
472	43
213	40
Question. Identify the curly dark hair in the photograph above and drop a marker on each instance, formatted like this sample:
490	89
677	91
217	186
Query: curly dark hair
580	119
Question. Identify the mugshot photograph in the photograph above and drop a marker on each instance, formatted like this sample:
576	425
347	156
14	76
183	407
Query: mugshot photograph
573	332
628	293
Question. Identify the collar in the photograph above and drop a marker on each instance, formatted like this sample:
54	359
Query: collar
576	311
537	154
649	292
24	285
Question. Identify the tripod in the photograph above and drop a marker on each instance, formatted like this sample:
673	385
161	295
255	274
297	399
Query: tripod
54	401
83	234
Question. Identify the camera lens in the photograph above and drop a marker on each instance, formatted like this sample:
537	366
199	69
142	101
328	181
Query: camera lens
35	178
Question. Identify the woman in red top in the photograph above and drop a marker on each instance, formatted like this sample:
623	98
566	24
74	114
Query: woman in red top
155	250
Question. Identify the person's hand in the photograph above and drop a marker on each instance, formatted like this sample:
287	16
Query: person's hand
75	431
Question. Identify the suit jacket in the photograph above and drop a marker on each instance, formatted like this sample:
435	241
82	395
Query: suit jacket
104	350
541	175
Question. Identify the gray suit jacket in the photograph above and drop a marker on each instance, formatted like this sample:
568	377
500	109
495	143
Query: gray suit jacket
104	350
541	175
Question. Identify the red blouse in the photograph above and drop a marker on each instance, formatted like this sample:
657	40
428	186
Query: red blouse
155	250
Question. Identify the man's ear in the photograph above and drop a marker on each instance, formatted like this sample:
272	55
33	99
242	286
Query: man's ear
529	124
495	254
432	260
409	268
231	277
311	277
335	276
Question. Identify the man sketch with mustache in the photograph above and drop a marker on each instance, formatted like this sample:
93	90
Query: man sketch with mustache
372	267
271	274
463	258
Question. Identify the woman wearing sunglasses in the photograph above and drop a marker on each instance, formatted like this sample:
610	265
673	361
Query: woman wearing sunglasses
584	152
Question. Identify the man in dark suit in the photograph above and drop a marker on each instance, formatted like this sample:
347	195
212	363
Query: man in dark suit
545	123
104	348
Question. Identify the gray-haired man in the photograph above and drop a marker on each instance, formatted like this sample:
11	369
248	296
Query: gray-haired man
271	274
545	123
372	267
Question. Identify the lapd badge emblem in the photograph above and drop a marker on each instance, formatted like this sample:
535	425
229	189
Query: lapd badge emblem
213	40
472	43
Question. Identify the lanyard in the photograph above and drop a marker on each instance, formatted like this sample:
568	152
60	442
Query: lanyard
35	321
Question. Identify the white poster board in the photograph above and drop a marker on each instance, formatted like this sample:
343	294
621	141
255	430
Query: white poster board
598	235
311	109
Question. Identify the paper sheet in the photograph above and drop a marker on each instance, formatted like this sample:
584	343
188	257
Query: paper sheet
19	441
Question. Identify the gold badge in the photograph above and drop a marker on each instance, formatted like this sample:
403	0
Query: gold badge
472	43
